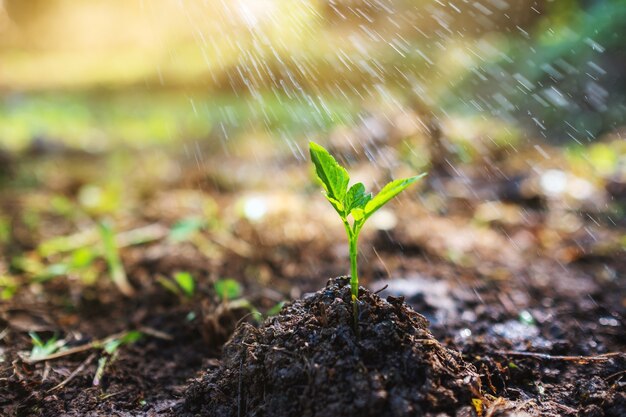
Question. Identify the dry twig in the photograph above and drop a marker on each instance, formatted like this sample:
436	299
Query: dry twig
76	371
544	356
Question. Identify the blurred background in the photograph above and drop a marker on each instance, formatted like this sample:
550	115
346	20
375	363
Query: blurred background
196	114
94	73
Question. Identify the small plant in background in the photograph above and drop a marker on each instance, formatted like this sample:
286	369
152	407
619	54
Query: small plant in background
228	289
5	230
110	350
54	348
185	229
181	284
352	203
230	293
42	349
8	287
186	283
112	256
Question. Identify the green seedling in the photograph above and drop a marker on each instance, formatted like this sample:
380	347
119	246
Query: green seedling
227	289
185	229
5	230
110	350
8	287
353	204
111	346
181	284
229	292
77	254
186	283
43	349
276	309
112	256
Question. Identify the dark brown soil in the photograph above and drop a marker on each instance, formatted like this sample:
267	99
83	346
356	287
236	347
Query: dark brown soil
308	361
142	379
532	295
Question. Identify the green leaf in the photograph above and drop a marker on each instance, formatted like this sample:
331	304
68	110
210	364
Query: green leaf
333	176
112	257
52	271
186	282
227	289
112	345
169	285
130	337
356	198
186	228
388	192
43	349
8	287
276	309
82	257
5	230
338	205
357	214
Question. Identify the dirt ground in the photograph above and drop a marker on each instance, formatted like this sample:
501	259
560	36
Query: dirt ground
388	364
522	288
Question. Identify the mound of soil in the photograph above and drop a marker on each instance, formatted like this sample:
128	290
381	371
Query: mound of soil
308	361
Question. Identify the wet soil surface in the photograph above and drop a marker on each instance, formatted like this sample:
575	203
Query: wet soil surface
143	375
530	297
309	361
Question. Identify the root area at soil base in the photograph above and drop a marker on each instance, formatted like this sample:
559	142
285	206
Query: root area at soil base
308	361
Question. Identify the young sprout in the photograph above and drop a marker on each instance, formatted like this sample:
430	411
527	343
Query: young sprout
43	349
181	284
352	203
110	348
112	256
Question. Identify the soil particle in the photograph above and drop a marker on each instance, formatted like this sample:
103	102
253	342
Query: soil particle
308	361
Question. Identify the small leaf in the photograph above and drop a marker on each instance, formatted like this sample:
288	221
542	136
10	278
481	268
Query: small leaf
132	336
185	228
186	282
227	289
112	345
168	285
83	257
388	192
112	257
37	342
245	304
43	349
357	214
356	198
52	271
336	204
333	176
276	309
